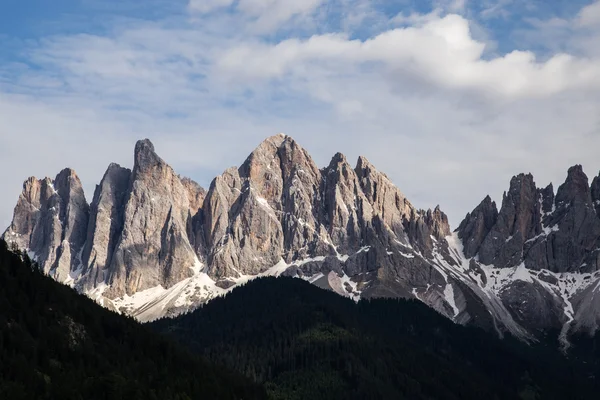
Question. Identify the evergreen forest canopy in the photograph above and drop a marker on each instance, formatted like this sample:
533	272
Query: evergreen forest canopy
303	342
57	344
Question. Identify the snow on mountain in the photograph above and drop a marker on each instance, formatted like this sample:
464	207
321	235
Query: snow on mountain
153	244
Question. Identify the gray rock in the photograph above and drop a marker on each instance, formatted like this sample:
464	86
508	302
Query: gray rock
107	218
347	229
153	248
477	225
50	221
519	220
595	191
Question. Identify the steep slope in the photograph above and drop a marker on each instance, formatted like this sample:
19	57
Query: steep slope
57	344
303	343
50	221
541	251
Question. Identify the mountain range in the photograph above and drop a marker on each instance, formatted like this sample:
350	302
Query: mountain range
154	244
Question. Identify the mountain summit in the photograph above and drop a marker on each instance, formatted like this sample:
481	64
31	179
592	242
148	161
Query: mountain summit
153	243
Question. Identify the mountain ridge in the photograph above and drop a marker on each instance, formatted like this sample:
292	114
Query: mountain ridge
158	244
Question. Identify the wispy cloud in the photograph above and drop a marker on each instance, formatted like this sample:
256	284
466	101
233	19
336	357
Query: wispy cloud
418	92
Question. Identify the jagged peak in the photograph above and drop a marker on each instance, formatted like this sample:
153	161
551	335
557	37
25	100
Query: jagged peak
363	163
365	167
337	161
575	187
66	175
274	141
339	158
520	180
278	152
487	203
145	157
31	181
576	169
114	166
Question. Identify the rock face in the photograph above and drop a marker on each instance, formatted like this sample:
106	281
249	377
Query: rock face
50	221
106	224
153	243
153	248
556	241
558	233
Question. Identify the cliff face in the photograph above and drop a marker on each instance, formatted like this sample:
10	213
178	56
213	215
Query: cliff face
553	239
50	221
557	233
153	243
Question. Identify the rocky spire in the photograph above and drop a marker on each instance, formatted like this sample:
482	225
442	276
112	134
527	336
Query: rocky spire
265	211
74	215
519	220
575	189
574	229
153	248
387	201
49	220
346	210
106	224
536	228
477	225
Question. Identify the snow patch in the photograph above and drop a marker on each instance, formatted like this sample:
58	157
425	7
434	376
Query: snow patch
449	295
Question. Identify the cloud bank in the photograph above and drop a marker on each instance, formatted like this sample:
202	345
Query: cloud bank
447	103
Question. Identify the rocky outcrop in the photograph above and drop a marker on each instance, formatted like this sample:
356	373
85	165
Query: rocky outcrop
346	212
50	221
519	220
153	248
105	226
477	225
558	235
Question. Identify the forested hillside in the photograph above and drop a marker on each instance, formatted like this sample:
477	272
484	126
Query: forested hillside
57	344
307	343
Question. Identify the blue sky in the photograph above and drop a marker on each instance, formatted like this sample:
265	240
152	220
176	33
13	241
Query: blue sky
450	98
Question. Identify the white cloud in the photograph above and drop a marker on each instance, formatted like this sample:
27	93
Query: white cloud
424	103
589	16
441	51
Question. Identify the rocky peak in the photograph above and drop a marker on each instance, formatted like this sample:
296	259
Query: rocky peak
148	227
145	158
265	211
153	248
437	220
386	199
520	207
49	219
518	221
575	189
105	224
535	227
477	225
346	210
